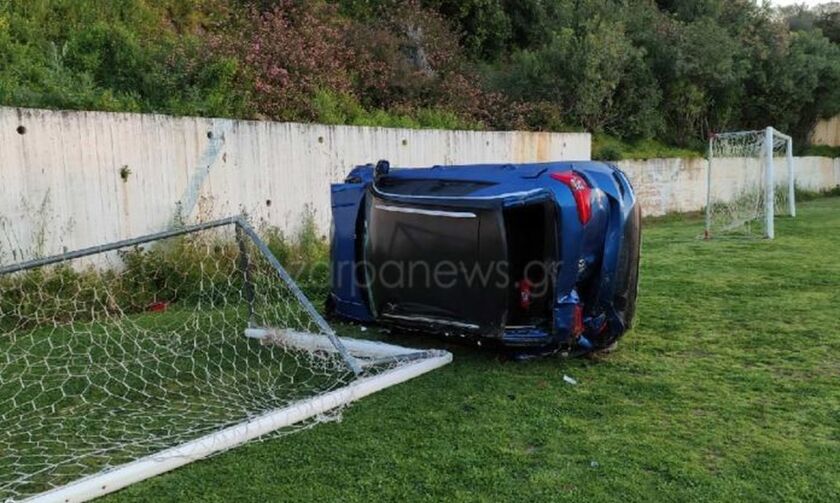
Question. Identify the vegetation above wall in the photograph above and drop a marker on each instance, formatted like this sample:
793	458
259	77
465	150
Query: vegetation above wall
629	71
821	151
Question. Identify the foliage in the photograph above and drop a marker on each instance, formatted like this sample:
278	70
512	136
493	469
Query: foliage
803	195
796	84
86	54
664	69
829	23
331	108
676	70
611	148
305	255
182	270
291	51
821	151
54	294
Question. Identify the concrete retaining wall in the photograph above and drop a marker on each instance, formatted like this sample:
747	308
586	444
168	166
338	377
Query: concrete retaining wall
827	132
76	179
679	185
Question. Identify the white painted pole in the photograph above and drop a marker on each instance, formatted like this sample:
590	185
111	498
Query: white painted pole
791	178
708	233
769	207
307	341
125	475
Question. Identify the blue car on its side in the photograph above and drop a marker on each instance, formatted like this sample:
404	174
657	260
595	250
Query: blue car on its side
537	257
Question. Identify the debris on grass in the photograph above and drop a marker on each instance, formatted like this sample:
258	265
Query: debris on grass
569	380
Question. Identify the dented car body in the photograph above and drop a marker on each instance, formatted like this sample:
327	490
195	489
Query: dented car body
539	257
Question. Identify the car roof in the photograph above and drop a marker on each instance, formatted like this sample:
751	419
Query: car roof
497	178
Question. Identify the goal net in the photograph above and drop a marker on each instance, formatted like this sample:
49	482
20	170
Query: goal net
750	179
127	360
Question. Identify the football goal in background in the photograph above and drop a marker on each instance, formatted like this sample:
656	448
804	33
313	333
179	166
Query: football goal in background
750	179
130	359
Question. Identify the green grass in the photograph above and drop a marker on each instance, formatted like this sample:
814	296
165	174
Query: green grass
109	391
727	389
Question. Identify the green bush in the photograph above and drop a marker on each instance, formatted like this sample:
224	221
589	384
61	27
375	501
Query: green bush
305	255
610	148
332	108
50	296
609	153
184	271
820	151
809	195
116	56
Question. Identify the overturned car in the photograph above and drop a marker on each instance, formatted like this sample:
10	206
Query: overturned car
537	257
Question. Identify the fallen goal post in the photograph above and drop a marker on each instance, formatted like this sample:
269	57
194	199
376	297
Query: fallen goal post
123	361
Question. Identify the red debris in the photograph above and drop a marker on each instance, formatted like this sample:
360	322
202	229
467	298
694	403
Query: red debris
157	307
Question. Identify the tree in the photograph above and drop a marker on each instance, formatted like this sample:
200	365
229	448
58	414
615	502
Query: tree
485	26
829	23
797	85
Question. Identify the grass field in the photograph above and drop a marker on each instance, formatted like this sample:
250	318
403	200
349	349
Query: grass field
728	388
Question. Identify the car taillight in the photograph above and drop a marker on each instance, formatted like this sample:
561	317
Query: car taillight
577	321
524	294
581	191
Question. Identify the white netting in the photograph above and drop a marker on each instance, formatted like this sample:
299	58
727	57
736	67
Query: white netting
738	166
119	355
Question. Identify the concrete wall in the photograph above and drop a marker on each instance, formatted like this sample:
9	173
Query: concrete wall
62	185
679	185
827	132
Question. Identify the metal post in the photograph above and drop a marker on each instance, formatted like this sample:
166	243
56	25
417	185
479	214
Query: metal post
245	269
769	189
791	178
708	233
86	252
307	305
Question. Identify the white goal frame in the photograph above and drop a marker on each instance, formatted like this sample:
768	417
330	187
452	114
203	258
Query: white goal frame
123	476
770	135
398	364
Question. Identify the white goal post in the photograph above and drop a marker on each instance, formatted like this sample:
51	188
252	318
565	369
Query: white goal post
126	360
745	190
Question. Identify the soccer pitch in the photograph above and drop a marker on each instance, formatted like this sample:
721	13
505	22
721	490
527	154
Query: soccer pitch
726	389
